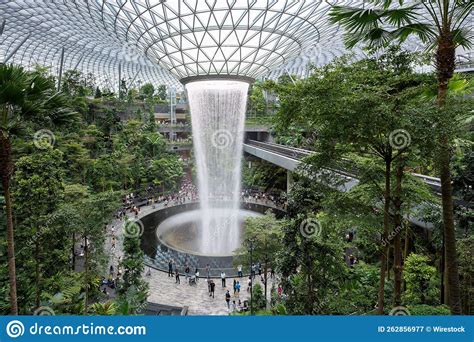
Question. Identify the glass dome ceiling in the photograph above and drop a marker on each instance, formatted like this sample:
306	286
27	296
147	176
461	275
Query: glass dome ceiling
165	41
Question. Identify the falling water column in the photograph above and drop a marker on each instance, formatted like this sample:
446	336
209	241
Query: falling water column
218	116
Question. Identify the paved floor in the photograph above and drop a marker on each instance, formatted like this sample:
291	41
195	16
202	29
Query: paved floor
164	290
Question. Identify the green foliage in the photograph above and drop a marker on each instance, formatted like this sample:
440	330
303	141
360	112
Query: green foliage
387	21
422	281
108	308
162	92
358	292
262	235
263	175
429	310
257	100
147	91
132	288
258	298
466	272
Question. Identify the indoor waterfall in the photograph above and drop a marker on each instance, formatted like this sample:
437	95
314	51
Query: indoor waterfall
218	119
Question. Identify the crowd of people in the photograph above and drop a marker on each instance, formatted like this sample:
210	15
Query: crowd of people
192	278
188	192
251	195
153	195
177	124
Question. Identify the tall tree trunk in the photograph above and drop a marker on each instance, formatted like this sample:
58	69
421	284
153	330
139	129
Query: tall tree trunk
385	244
37	273
445	63
309	300
73	251
6	171
86	275
397	243
266	281
445	277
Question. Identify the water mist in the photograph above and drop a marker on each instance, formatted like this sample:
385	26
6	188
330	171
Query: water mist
218	119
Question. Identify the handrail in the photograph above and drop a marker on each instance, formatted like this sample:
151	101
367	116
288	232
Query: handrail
294	152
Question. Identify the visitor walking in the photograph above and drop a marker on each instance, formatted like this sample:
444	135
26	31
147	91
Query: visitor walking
177	276
234	286
227	299
223	278
170	268
237	287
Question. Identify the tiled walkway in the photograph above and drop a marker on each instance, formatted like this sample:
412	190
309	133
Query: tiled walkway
164	290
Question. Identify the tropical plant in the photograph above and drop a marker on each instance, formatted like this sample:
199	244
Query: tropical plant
443	26
132	283
25	97
421	281
263	236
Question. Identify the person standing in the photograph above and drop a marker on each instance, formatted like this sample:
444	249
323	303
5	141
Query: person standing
223	278
186	271
170	268
237	288
227	299
239	271
196	274
213	287
177	276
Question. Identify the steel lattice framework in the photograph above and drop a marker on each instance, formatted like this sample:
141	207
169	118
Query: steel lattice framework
164	41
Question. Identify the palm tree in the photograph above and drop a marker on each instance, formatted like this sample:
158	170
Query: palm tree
25	98
443	26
